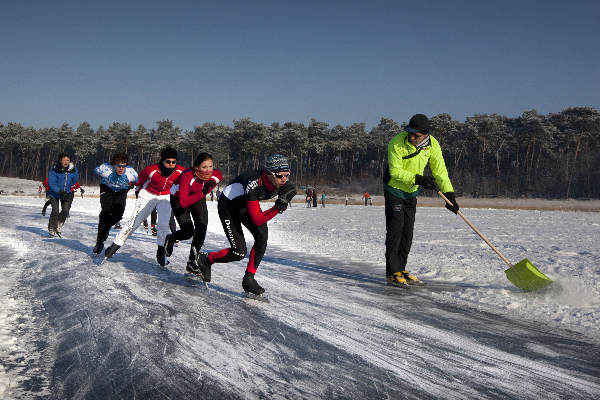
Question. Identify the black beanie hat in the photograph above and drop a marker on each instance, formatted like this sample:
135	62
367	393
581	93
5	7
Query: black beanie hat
418	123
168	152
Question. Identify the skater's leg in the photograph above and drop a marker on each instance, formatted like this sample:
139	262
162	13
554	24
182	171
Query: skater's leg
144	205
232	227
199	213
53	220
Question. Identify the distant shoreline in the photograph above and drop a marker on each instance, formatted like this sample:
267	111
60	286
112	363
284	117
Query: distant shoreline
23	187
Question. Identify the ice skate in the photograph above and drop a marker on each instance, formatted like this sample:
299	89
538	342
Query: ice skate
397	279
169	243
98	248
411	280
161	256
250	285
204	266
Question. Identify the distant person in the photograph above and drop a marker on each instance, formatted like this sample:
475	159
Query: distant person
346	198
366	196
408	154
239	206
116	179
323	200
62	181
308	198
314	197
154	185
188	202
46	188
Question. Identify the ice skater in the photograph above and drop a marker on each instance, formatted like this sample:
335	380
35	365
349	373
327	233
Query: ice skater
188	201
239	205
154	184
62	181
117	179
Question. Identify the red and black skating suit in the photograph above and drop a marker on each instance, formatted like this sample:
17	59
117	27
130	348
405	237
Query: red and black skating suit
188	201
239	205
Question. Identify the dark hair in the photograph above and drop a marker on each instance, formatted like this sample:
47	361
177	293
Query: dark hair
201	158
62	155
119	158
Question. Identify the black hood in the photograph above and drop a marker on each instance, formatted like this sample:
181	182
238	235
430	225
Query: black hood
164	170
61	170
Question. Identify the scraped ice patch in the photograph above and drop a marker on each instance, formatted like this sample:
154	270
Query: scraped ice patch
20	355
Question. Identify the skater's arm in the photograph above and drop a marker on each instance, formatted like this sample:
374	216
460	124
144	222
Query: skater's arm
185	198
104	170
143	177
257	216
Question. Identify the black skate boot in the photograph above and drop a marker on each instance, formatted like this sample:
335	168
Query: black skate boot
169	243
203	266
111	250
192	268
98	247
249	284
161	256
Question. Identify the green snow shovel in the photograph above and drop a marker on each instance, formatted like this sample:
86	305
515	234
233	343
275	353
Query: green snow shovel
524	274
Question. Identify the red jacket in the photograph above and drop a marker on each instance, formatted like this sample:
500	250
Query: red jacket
188	187
155	182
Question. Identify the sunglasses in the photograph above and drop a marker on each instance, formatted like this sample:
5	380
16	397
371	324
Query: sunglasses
171	162
281	176
121	165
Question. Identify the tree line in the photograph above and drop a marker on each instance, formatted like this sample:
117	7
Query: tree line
548	156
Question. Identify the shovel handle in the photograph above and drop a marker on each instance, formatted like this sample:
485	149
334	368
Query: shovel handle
481	235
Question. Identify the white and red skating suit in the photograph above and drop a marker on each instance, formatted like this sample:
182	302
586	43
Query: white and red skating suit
153	188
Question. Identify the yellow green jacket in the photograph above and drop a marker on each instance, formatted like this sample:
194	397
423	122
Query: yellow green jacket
403	171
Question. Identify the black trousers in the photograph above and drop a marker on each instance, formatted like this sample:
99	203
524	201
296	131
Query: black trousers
112	205
399	226
58	218
232	219
187	229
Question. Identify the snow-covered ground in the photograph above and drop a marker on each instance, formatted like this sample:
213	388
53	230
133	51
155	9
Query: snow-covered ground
71	329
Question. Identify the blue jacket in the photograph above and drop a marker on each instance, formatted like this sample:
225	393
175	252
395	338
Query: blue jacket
61	179
115	182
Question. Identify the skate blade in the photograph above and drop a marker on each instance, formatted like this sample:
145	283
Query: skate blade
196	277
417	283
103	261
257	297
398	285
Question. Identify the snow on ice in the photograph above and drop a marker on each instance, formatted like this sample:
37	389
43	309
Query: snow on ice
71	329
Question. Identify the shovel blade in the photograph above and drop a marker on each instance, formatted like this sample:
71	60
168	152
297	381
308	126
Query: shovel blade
526	276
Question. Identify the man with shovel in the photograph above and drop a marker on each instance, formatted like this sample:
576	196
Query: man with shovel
408	154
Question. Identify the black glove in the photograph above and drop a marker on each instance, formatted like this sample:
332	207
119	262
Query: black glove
281	205
427	182
450	196
286	192
208	186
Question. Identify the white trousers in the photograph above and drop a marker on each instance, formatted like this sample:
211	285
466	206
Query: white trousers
144	204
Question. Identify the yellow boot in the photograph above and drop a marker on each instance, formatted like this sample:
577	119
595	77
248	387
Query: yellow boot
397	279
410	279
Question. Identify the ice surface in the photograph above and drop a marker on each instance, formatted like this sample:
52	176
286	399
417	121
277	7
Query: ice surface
70	329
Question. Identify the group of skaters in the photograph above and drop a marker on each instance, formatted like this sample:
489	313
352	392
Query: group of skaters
175	191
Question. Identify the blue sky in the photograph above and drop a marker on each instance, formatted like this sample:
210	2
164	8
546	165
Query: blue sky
336	61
